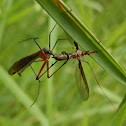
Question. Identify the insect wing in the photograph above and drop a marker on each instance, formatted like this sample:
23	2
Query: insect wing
81	82
22	64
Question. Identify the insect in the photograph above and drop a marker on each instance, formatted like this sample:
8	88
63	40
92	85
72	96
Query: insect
22	64
44	54
80	77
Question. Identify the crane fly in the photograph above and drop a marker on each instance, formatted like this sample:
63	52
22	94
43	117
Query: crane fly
44	54
80	77
22	64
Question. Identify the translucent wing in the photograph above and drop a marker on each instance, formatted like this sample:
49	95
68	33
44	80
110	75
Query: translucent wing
22	64
81	82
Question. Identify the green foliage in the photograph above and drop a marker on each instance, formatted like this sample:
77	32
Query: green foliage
120	115
83	37
59	103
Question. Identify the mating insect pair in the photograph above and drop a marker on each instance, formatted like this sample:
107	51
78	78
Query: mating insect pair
45	54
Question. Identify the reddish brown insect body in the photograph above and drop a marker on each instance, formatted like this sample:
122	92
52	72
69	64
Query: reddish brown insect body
75	55
44	54
22	64
79	73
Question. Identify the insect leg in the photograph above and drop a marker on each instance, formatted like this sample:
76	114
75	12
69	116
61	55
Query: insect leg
41	70
60	66
57	42
50	35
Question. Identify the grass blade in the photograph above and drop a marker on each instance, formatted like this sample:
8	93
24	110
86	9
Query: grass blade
22	97
121	114
80	33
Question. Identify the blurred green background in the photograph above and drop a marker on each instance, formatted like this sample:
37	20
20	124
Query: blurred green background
59	102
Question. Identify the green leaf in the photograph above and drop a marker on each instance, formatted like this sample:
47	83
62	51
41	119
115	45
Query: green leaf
121	114
22	97
81	34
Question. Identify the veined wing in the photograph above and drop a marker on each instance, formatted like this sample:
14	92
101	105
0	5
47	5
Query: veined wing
22	64
81	82
80	77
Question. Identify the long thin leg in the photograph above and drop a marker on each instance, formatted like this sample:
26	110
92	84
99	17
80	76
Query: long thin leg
48	69
50	35
58	69
76	45
36	96
38	88
41	70
57	42
53	65
33	70
28	39
34	41
61	65
37	43
55	71
99	84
